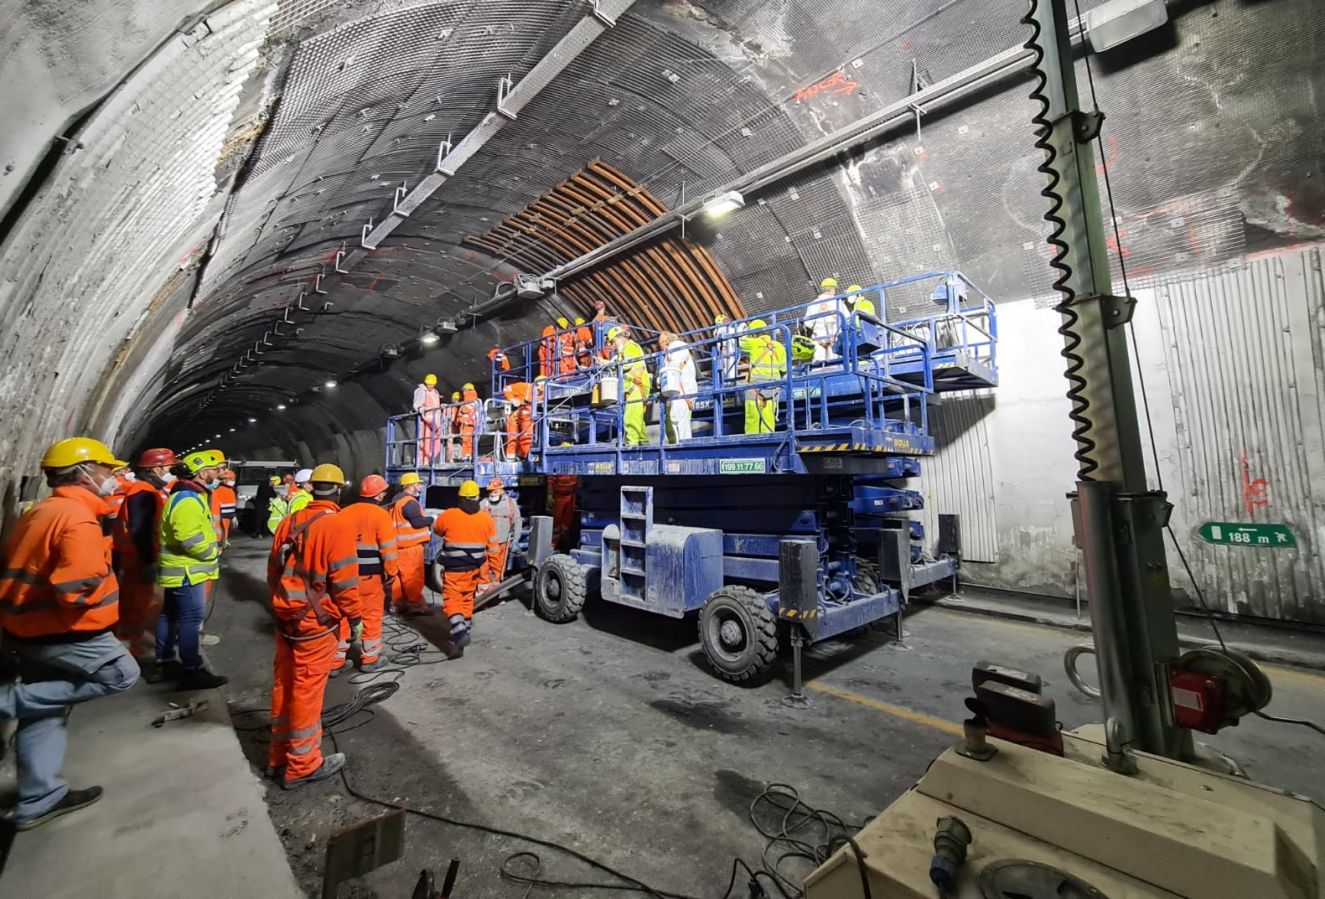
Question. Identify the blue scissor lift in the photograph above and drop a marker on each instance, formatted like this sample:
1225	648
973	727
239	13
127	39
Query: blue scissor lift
804	530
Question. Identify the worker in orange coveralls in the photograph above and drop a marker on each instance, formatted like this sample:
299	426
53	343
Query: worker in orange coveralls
562	488
565	347
583	344
313	574
375	538
469	545
547	352
520	422
469	421
412	534
137	548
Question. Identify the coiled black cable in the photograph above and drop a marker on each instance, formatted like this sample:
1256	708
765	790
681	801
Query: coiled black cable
1082	424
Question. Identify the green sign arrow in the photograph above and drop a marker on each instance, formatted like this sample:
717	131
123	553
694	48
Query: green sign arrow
1230	533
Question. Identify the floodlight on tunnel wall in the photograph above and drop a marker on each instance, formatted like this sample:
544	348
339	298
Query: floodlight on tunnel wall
1118	21
252	421
722	204
280	407
428	337
446	326
330	385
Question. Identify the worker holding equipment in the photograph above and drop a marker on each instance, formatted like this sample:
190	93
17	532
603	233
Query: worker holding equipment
313	574
727	351
412	534
561	493
137	551
428	407
58	604
469	547
635	390
470	420
520	422
583	344
375	539
825	323
768	363
505	512
547	352
679	366
190	558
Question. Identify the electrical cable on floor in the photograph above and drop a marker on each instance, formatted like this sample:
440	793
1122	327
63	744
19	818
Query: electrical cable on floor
796	830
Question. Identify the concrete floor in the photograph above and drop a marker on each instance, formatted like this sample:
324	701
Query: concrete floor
609	735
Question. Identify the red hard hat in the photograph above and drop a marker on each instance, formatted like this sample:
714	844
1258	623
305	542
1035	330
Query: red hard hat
153	458
495	484
373	485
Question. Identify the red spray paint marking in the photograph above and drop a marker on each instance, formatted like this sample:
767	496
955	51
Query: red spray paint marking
1255	494
836	83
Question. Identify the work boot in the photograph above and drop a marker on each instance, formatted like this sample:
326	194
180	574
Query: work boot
201	679
159	672
374	665
335	672
275	772
72	802
331	766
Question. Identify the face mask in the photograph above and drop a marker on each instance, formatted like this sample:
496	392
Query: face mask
494	497
103	488
168	478
229	483
131	477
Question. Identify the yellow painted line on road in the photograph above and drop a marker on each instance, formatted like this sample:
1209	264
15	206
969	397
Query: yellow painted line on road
888	708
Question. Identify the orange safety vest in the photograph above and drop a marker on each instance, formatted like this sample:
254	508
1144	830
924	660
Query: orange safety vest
116	499
375	538
563	484
407	535
222	503
469	540
547	352
313	572
56	577
520	432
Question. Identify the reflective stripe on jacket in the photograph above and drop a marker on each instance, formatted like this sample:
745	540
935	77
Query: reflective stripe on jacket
313	571
407	533
469	540
187	538
375	538
55	575
768	358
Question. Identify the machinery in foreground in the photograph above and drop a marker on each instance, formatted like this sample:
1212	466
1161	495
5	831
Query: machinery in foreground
795	530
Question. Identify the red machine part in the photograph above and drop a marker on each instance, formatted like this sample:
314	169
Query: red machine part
1198	700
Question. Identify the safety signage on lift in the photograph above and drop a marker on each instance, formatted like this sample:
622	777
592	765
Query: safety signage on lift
1227	533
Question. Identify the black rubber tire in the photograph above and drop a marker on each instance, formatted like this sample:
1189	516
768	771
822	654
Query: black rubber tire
756	649
560	588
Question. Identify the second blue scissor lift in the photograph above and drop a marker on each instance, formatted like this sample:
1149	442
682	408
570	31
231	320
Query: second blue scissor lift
805	531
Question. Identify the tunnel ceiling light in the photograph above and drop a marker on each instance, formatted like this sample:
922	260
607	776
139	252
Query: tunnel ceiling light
1118	21
428	337
280	407
232	430
723	204
252	421
330	384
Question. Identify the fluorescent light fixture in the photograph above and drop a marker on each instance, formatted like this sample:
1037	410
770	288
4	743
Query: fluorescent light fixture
428	338
280	407
232	430
446	326
252	421
329	385
1119	21
723	204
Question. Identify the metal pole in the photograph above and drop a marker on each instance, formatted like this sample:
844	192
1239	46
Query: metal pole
1119	523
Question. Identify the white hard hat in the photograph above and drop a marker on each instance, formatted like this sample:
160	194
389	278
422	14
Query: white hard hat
303	476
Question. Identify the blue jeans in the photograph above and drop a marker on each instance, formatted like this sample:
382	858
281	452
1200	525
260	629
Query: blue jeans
181	623
53	678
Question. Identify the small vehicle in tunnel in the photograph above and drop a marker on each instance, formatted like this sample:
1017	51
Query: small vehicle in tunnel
249	476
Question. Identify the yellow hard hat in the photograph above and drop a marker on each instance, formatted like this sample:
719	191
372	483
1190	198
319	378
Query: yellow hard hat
469	387
469	490
218	457
719	318
202	459
540	378
274	480
562	323
430	380
455	396
409	478
827	283
854	287
613	333
75	450
326	473
578	320
757	324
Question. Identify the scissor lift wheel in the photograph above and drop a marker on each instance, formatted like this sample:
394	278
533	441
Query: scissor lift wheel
560	588
739	633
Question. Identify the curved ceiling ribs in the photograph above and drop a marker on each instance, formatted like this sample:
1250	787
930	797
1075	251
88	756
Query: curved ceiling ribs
672	283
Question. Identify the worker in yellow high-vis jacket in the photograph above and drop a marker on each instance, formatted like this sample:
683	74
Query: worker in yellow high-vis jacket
768	365
635	390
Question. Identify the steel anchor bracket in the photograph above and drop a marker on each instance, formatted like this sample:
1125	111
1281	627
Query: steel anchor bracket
602	16
1114	311
505	85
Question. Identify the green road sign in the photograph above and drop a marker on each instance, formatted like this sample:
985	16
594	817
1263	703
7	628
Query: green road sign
1229	533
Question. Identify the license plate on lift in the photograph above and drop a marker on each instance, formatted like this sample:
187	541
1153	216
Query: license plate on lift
742	466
